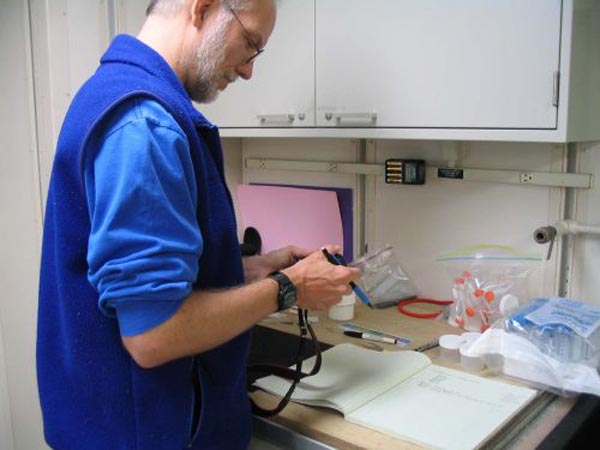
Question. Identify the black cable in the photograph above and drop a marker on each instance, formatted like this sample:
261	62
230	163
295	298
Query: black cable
285	372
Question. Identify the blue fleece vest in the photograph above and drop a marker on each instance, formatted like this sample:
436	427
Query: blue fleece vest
93	395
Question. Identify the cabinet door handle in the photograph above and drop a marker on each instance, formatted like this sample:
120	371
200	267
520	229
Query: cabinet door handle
276	119
346	119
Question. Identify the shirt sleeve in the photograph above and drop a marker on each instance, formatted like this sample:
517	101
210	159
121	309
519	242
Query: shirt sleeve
144	240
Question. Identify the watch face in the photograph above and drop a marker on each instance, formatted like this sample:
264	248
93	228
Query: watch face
289	297
286	297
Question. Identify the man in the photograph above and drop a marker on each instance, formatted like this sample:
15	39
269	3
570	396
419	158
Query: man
143	311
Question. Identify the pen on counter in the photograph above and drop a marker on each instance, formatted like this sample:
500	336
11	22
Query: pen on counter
431	344
370	337
357	290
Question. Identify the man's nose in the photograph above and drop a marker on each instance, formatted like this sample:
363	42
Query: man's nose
245	70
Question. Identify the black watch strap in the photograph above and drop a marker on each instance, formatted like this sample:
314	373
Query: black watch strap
286	296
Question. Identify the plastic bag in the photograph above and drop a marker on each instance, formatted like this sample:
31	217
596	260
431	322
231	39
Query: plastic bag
489	283
563	328
552	343
383	279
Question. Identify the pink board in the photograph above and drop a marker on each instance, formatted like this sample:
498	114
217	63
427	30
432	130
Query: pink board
307	218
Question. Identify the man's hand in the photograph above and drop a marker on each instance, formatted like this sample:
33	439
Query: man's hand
319	283
197	326
258	267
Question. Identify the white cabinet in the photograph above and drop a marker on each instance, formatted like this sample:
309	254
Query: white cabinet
509	70
281	91
437	64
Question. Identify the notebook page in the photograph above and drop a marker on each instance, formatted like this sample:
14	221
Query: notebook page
444	408
349	377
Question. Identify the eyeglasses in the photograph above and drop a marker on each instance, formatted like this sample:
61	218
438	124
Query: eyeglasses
257	51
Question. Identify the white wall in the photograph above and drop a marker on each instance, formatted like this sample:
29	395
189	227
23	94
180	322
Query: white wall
20	231
50	48
423	222
68	38
446	215
585	279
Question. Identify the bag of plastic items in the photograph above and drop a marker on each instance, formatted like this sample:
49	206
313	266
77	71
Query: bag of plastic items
489	283
383	279
553	343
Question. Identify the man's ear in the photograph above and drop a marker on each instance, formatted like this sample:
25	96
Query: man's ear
198	10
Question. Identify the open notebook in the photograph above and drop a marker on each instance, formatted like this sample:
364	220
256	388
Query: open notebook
404	395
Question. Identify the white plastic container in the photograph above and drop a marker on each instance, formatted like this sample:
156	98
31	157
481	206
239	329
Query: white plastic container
344	309
449	347
468	360
454	348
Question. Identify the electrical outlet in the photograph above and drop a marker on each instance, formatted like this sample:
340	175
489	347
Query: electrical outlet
526	177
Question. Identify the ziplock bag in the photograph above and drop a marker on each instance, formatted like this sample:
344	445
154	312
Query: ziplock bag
552	343
383	279
489	283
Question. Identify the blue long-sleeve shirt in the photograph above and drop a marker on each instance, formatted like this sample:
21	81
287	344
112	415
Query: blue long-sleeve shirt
145	242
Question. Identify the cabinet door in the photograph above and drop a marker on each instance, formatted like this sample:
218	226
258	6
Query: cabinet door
281	90
437	63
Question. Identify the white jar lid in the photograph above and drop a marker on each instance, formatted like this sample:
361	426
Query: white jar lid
451	341
347	300
508	305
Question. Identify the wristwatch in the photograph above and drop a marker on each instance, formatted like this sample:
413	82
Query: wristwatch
286	297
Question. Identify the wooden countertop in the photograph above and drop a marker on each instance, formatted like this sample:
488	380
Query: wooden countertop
329	426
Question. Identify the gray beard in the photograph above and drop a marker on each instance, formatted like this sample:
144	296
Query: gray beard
206	65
